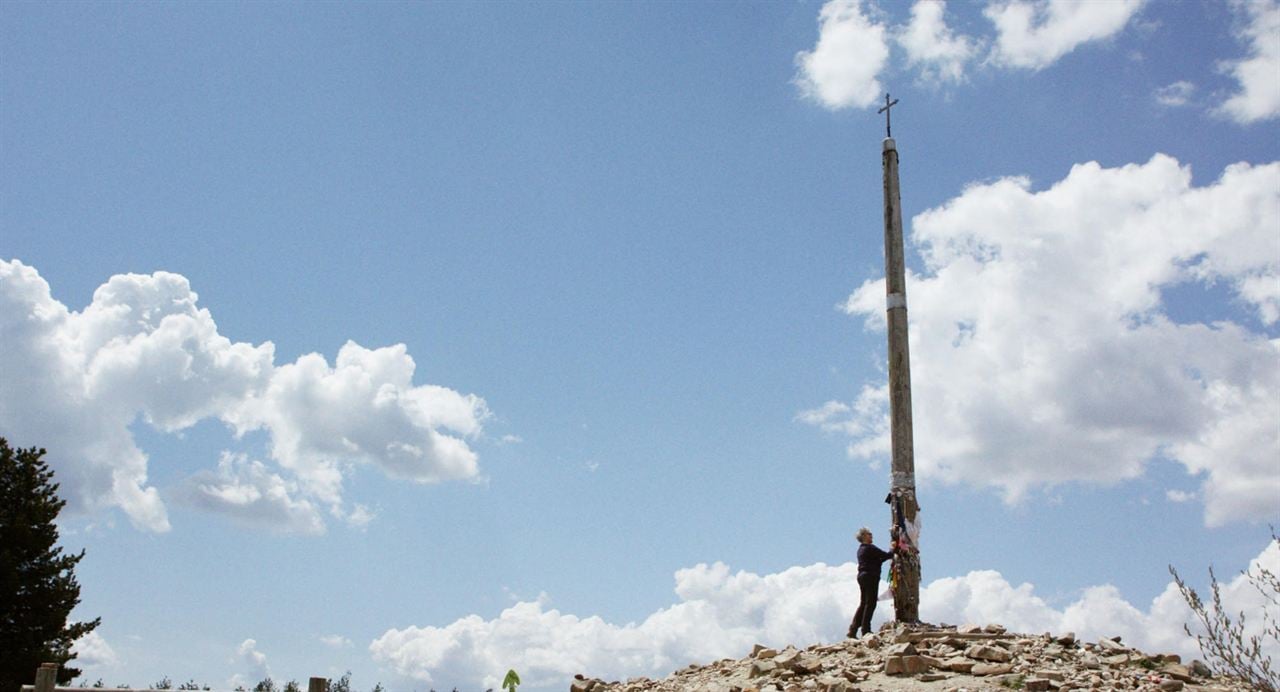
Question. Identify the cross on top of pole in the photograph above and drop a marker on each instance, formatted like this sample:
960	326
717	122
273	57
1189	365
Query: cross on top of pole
888	131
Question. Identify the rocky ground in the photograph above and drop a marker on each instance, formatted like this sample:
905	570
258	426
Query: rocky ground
942	658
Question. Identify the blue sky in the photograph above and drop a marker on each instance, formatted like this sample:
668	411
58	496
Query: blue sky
430	340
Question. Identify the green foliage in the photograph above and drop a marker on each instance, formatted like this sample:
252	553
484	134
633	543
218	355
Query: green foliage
342	684
266	685
292	686
1226	648
164	684
379	688
38	587
510	682
192	685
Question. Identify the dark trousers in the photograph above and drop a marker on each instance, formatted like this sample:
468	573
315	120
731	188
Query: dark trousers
867	584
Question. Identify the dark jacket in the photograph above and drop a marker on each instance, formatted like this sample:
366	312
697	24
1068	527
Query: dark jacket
870	558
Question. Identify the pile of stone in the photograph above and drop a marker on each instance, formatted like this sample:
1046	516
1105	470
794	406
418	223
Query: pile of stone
943	658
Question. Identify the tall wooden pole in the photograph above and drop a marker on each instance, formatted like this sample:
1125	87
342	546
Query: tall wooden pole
902	493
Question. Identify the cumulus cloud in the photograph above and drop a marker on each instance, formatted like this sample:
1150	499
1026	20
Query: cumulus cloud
853	49
1175	94
722	614
252	663
249	493
363	409
1259	94
93	651
843	68
1034	35
143	350
932	47
1041	351
719	614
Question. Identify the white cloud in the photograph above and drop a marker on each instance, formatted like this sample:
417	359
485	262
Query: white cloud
1041	353
251	662
828	416
1179	496
842	69
870	431
92	651
722	614
1259	95
1034	35
335	641
719	614
363	409
249	493
359	516
1175	94
932	47
144	350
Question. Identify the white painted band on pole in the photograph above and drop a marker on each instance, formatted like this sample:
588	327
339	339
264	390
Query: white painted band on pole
895	300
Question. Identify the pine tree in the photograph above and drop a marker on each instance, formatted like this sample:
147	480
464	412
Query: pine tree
38	587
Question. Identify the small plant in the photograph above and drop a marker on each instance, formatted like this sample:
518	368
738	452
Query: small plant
510	682
164	684
1224	644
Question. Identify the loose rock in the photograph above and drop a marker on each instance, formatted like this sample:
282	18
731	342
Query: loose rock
981	669
905	665
905	657
983	652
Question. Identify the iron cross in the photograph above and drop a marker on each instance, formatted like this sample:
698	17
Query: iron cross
888	131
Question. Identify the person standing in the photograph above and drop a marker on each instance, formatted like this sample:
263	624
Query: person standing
869	560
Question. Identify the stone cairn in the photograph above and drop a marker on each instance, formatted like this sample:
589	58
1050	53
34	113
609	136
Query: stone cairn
942	658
